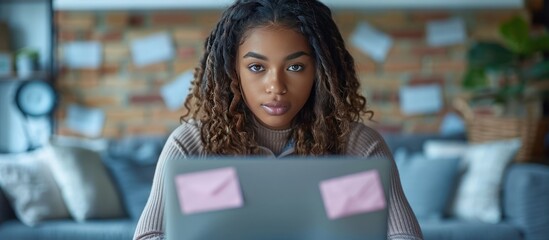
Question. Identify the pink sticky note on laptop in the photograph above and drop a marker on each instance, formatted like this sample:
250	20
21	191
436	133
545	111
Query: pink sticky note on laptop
208	190
353	194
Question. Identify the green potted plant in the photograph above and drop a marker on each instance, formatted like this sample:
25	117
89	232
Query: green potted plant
509	73
505	84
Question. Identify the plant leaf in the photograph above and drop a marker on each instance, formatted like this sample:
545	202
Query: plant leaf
540	43
515	33
490	55
475	79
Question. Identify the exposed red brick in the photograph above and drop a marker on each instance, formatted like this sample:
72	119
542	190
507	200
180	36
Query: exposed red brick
125	114
66	36
108	69
111	132
420	80
399	66
146	129
407	33
366	67
110	36
167	115
80	20
426	16
170	18
183	66
422	51
186	53
100	101
145	99
456	66
136	21
117	19
156	67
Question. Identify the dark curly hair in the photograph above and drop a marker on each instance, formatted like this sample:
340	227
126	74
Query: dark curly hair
323	124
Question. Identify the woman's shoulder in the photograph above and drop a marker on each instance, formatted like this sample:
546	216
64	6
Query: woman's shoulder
365	140
186	128
187	137
360	129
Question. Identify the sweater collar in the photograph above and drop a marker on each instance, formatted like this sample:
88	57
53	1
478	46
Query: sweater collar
275	140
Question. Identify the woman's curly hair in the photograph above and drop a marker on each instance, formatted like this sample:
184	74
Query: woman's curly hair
323	124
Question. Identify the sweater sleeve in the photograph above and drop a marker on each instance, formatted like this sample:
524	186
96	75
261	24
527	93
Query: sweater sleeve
403	224
184	141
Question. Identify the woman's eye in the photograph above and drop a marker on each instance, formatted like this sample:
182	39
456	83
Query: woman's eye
255	68
295	68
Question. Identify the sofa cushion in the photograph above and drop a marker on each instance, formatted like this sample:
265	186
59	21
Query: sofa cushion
30	187
6	212
109	229
526	198
458	230
478	194
427	183
414	143
85	184
132	163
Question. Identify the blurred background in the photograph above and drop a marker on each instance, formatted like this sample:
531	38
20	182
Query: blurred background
112	64
459	89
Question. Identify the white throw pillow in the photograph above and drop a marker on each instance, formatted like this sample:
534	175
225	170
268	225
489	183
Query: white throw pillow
444	149
478	194
85	183
30	188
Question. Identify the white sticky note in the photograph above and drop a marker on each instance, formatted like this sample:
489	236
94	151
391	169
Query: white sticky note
85	54
446	32
86	121
452	124
175	93
421	99
152	49
371	41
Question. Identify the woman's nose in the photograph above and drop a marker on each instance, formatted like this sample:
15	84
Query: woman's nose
276	84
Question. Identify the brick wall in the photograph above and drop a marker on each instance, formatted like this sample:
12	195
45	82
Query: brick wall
130	98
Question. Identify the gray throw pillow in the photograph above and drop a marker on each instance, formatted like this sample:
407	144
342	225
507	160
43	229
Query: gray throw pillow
27	182
427	183
85	183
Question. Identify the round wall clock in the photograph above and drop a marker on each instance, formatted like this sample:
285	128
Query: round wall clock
35	98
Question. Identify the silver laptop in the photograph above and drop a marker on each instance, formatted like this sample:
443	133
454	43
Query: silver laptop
245	198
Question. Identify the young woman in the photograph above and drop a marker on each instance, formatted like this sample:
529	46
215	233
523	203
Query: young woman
275	79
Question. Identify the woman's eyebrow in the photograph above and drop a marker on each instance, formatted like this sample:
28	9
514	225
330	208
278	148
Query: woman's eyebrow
255	55
289	57
296	55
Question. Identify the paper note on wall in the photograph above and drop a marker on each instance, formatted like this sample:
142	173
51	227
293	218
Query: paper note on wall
452	124
83	55
152	49
174	93
422	99
371	41
86	121
446	32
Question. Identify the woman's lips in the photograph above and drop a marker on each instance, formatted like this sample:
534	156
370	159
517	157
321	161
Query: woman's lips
275	108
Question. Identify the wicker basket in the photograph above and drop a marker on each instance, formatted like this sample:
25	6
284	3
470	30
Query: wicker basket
531	132
488	128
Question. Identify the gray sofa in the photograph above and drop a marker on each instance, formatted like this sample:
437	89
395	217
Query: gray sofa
131	162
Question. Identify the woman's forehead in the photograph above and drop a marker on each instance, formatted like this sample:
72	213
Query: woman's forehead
277	38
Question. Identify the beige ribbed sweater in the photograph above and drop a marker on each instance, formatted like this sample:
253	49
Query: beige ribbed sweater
363	141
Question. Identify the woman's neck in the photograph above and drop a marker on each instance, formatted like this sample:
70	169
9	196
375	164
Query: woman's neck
275	140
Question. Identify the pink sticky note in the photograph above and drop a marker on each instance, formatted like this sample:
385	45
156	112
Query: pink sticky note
353	194
208	190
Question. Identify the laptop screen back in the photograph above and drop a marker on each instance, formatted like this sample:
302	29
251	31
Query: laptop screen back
278	198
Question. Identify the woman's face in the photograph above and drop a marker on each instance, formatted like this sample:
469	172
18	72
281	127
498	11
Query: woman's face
276	70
